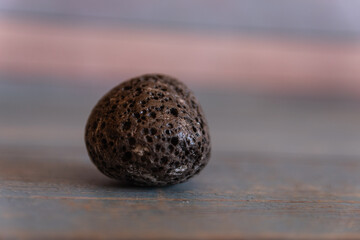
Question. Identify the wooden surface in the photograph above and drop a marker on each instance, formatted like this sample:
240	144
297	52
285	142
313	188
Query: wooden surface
281	168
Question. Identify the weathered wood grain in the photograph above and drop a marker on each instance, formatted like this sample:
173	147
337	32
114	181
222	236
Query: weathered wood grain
281	168
58	193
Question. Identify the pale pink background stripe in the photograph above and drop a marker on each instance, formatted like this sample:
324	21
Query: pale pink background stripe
86	53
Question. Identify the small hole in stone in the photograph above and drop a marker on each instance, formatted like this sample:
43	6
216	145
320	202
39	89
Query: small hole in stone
174	112
104	143
127	156
174	141
94	125
152	114
132	141
153	131
164	160
126	125
149	139
137	115
154	169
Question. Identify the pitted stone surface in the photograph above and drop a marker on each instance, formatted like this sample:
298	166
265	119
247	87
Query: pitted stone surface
148	131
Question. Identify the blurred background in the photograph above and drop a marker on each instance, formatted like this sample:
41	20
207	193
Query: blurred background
273	75
279	82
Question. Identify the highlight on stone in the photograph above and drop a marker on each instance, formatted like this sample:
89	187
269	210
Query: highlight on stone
148	131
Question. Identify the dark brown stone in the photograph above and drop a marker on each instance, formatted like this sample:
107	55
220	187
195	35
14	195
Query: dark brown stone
148	131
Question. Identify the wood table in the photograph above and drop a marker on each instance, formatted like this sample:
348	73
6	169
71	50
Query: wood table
282	167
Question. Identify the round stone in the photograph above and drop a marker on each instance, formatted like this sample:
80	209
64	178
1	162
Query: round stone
148	131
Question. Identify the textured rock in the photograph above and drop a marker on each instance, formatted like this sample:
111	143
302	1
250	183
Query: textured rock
148	131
